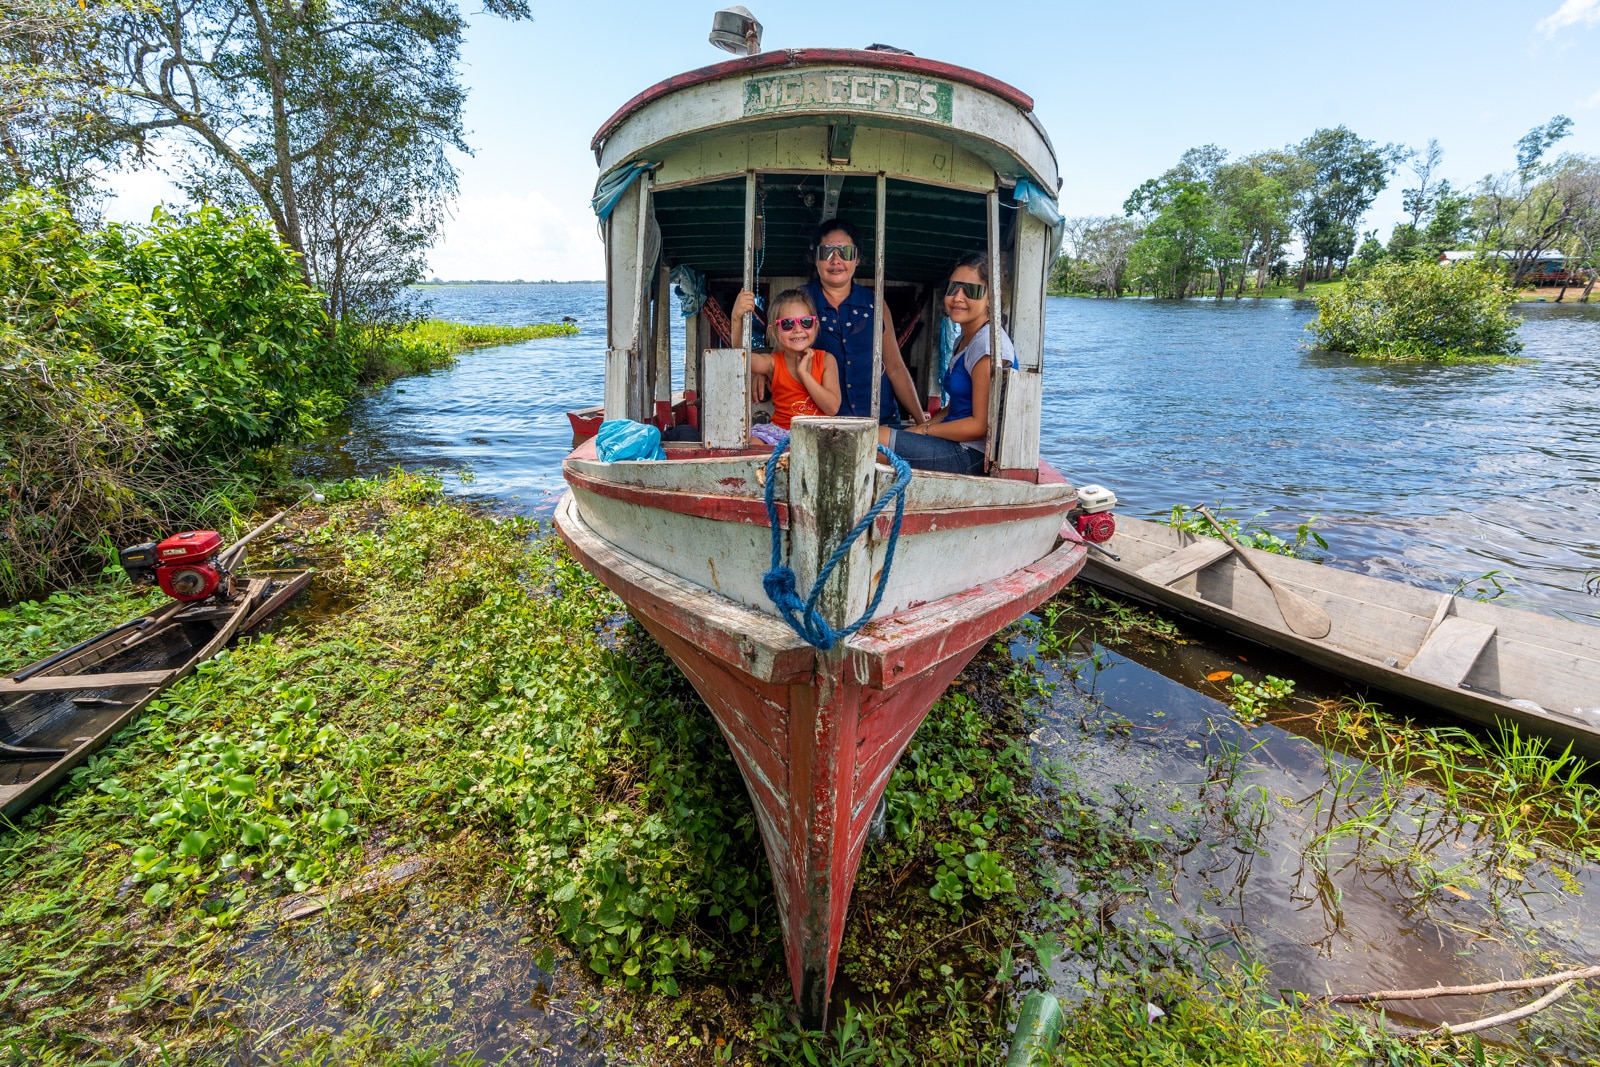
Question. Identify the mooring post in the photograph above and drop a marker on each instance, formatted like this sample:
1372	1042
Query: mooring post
830	489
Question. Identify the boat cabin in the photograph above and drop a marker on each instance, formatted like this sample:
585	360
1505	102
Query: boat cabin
715	180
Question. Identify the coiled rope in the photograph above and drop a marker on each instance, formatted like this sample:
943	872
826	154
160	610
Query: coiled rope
779	581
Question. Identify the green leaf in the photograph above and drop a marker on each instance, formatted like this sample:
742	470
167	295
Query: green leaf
146	856
242	785
194	843
253	834
333	819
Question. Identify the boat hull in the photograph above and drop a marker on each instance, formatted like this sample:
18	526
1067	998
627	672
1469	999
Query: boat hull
816	735
1541	674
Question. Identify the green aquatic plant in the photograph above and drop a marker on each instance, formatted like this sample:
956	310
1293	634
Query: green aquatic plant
1251	700
1422	311
1249	533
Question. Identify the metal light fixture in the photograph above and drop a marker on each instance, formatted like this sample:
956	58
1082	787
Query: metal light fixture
734	29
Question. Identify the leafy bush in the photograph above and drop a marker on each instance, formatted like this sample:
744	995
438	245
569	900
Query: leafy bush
1421	311
137	366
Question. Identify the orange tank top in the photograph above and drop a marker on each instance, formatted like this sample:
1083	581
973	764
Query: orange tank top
789	396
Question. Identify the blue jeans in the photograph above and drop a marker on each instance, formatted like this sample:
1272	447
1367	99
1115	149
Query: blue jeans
935	453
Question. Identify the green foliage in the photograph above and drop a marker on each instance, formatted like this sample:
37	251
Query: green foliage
1251	700
461	336
137	367
1251	534
1421	311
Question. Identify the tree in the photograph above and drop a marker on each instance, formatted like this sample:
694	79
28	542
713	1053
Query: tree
1421	311
50	79
1258	192
1179	237
1535	208
334	117
1344	174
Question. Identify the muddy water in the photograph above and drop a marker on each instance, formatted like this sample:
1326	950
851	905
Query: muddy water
1275	849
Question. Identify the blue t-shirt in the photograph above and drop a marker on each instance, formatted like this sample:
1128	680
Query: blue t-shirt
958	378
846	331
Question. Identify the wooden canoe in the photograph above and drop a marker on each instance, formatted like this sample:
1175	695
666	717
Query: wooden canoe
1478	660
54	715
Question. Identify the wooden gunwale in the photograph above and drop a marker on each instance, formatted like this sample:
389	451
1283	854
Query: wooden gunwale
16	798
1572	649
754	512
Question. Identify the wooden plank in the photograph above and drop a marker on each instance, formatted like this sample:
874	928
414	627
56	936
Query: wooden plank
1447	656
725	399
878	302
997	382
68	683
1185	561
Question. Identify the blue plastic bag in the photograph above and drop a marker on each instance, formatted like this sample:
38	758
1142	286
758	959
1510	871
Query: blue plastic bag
620	439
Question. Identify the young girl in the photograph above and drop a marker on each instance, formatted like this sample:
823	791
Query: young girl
954	441
805	380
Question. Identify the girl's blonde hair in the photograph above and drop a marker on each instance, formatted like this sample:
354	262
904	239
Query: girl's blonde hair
791	296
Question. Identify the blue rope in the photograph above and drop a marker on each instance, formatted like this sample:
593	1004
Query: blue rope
779	581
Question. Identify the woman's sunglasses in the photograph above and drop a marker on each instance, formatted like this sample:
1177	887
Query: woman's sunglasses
844	252
974	290
805	322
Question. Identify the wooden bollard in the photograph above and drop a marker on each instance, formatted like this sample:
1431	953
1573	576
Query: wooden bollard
830	489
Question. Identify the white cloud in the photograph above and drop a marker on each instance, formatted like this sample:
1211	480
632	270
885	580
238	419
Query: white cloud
1594	100
524	236
1570	13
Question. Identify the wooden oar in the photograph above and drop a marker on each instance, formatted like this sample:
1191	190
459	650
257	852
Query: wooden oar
1303	617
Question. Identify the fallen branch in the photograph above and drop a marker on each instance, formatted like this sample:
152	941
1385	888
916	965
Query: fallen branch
1578	975
1446	1030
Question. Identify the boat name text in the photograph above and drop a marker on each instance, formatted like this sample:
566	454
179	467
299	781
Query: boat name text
889	94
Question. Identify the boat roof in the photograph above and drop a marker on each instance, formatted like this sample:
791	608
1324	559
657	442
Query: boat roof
817	88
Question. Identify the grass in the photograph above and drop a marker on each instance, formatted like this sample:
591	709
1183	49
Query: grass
482	706
462	336
388	353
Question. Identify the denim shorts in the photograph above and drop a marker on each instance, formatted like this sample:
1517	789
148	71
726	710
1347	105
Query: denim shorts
935	453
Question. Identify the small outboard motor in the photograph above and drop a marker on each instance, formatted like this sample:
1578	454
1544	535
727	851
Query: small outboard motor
1092	517
184	565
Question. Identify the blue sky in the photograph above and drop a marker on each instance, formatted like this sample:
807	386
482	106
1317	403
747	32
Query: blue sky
1123	89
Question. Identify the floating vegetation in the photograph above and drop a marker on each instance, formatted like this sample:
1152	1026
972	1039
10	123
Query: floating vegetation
1249	532
477	817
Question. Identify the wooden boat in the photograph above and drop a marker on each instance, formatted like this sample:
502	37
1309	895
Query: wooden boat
731	166
1478	660
58	711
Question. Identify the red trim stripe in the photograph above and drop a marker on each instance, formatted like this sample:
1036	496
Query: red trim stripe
754	512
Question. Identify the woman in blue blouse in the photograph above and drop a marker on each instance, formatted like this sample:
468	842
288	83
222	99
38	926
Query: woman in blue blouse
844	309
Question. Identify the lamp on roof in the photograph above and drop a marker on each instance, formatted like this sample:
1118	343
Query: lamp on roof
734	29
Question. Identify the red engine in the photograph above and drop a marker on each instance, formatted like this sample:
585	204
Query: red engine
1097	528
1092	517
186	565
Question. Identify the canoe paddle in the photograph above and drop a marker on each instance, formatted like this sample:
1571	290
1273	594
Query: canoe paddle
1303	617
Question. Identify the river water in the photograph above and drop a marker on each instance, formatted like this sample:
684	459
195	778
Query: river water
1428	475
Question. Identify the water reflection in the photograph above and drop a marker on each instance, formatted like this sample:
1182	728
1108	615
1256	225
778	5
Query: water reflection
1334	872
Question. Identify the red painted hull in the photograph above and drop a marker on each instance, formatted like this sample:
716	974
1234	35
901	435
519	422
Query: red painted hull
816	734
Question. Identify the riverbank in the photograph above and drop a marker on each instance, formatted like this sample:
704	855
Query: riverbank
458	806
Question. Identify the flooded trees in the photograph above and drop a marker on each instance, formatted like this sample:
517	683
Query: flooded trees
1422	311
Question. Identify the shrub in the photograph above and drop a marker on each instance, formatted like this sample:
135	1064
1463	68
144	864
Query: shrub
137	368
1421	311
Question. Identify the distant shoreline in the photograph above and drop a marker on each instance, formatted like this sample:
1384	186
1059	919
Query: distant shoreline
436	283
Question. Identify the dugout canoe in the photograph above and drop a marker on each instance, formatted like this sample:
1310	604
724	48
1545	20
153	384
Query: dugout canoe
712	180
1479	660
60	710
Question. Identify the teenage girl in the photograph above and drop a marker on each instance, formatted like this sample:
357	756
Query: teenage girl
805	379
954	440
